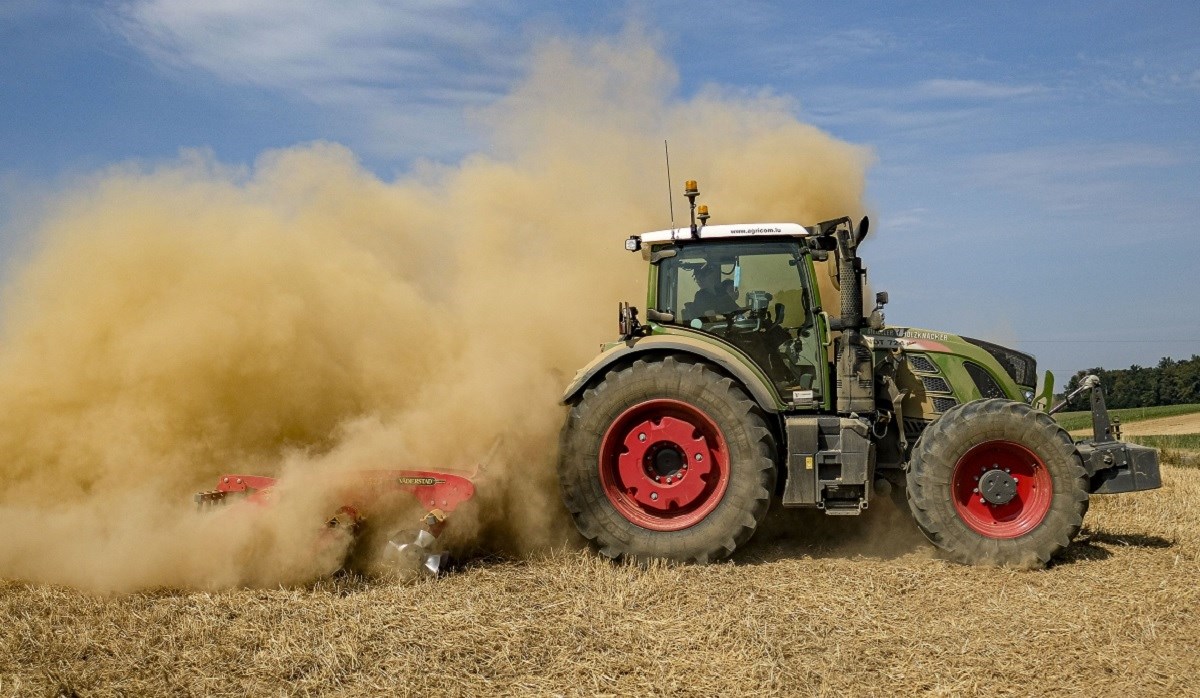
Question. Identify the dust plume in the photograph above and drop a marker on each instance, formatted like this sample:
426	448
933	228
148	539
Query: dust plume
190	318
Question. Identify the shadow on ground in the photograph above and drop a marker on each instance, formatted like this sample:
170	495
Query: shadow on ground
886	531
882	532
1092	546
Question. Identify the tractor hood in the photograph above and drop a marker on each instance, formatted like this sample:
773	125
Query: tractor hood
1014	372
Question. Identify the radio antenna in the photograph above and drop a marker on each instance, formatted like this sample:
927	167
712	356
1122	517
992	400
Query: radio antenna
670	195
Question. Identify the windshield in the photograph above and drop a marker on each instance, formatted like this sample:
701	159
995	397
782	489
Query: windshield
751	294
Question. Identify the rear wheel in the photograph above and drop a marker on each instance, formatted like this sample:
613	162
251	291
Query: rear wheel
666	458
996	481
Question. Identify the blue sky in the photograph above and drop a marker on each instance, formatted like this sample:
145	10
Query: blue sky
1035	163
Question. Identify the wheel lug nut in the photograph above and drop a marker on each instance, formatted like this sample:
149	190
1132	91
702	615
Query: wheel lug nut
976	490
699	457
641	437
668	481
982	500
654	496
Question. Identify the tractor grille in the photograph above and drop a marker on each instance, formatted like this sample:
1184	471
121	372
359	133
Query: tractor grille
983	380
942	404
935	384
920	362
1022	368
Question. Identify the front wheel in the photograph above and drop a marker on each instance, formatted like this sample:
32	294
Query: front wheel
997	482
668	459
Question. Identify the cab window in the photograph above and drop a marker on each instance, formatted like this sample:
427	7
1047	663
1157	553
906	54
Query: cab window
751	294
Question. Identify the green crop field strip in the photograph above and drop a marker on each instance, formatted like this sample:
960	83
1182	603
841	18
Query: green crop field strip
1183	442
1083	419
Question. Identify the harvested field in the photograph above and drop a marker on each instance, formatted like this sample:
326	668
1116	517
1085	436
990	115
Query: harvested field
814	605
1173	425
1082	419
1178	435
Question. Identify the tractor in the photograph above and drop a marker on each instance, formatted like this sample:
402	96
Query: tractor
747	383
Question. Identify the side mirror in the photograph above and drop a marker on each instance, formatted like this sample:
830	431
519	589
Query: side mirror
875	321
627	322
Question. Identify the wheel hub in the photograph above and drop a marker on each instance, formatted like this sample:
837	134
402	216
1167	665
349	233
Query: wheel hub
663	464
664	459
997	486
1001	489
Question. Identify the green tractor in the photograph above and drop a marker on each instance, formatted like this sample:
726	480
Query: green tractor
744	385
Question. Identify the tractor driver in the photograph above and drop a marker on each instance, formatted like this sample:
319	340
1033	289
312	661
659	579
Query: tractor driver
714	297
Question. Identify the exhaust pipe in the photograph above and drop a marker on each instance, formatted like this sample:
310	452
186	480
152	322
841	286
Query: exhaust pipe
855	377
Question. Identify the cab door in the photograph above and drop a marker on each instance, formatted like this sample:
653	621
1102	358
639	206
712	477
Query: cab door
755	295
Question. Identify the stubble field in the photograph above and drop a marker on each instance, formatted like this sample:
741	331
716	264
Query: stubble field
813	606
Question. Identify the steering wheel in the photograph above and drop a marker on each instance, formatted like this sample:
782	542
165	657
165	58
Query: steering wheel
733	315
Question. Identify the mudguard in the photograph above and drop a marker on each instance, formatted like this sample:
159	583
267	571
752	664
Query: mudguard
727	358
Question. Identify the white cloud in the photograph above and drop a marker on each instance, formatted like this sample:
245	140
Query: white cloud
1080	160
931	107
371	62
972	90
1077	177
905	219
859	41
1167	75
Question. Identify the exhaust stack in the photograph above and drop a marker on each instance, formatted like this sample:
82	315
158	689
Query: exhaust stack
855	375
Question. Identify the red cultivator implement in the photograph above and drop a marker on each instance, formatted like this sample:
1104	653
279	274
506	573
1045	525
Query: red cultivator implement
367	506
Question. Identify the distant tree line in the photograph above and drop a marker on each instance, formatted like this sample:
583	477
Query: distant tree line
1169	383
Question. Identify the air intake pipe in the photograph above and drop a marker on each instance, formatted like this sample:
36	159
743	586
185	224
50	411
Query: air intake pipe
855	372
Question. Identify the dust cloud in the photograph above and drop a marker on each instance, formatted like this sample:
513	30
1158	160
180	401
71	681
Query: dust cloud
302	315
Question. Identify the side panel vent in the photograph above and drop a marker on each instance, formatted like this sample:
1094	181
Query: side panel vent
935	384
920	362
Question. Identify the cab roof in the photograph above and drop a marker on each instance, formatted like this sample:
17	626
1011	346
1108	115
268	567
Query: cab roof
735	230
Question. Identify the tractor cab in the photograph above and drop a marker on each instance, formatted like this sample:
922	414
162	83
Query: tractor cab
753	294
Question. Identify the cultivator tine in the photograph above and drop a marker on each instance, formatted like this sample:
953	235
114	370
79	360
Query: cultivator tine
210	498
411	553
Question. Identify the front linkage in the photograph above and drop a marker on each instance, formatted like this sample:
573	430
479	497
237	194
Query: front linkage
1113	466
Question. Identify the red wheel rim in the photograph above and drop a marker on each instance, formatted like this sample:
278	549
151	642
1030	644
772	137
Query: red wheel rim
664	465
995	463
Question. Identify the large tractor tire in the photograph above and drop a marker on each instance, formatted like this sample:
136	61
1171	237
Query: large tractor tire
666	459
997	482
